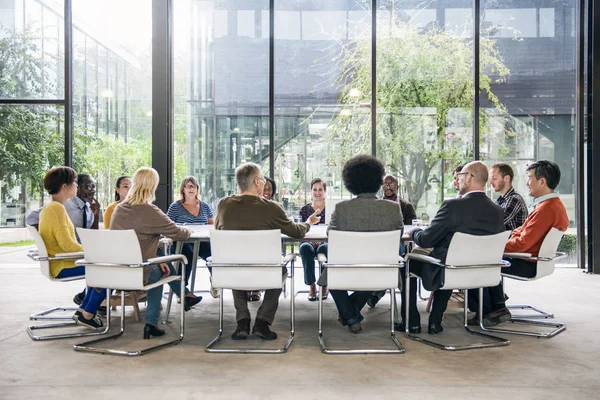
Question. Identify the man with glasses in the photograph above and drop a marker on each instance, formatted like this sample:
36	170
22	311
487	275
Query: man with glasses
390	192
473	213
248	210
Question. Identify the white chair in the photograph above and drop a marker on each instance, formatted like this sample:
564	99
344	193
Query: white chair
249	260
362	261
472	262
113	260
41	255
546	261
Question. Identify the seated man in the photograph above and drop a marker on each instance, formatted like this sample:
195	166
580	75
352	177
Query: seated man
515	210
472	213
549	212
363	176
390	192
250	211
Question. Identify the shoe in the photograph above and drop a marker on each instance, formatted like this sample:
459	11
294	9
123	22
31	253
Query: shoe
325	293
312	292
242	331
254	296
76	315
497	317
434	329
473	321
189	302
214	292
400	327
372	301
78	298
150	330
355	328
92	323
341	321
261	329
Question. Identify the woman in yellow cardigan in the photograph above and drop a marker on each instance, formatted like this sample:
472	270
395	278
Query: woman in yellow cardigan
58	233
121	189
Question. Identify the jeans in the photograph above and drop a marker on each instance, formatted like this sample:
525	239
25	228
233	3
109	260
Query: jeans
349	306
93	299
188	251
308	254
154	296
69	272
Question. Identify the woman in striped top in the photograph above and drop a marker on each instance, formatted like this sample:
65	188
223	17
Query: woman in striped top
190	210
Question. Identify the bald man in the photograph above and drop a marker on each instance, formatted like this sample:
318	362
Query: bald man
473	213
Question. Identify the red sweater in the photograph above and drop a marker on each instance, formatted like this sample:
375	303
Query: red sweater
528	237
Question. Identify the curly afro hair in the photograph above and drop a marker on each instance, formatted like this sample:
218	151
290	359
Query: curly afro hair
363	174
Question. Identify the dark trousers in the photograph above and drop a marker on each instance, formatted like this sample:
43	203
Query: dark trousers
349	306
493	297
267	309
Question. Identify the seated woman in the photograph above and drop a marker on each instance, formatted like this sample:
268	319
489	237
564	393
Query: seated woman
58	233
148	221
269	193
309	250
190	210
362	176
121	190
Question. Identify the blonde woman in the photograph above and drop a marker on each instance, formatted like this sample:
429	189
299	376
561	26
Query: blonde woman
148	221
121	189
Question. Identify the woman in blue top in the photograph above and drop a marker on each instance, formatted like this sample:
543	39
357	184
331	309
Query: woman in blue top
190	210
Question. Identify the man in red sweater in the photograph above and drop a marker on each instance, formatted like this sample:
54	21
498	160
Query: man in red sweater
549	212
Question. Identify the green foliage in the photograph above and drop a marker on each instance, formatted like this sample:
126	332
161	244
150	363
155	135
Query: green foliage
424	90
568	244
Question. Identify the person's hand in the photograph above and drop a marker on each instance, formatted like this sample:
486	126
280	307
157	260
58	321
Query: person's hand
95	207
164	269
412	230
315	217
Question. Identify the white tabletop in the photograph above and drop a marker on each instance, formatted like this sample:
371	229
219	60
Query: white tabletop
317	233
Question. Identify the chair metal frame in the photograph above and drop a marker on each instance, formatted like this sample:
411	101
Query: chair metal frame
497	341
548	254
323	263
45	315
96	277
288	259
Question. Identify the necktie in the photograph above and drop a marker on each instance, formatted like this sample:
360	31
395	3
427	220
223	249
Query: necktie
84	216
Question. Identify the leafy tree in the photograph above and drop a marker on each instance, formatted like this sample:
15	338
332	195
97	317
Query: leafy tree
424	91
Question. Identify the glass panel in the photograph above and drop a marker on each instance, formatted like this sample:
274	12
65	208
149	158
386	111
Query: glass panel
221	91
322	58
424	97
32	139
531	112
112	90
31	42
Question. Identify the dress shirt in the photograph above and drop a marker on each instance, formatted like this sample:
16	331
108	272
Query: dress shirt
74	207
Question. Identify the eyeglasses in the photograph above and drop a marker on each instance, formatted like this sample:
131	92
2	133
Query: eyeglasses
390	185
262	178
190	186
464	173
89	186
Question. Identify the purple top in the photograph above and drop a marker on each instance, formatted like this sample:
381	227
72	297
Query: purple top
307	211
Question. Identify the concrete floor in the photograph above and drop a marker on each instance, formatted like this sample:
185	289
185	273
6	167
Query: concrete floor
563	367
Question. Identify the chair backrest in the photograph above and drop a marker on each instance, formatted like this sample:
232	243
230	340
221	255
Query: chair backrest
363	247
548	250
246	247
248	255
42	251
470	252
468	249
330	208
112	247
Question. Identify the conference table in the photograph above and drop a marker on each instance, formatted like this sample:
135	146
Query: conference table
201	233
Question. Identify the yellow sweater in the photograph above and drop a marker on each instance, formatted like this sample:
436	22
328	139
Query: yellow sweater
108	214
59	235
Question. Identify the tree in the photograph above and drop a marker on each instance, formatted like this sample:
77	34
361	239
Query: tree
424	92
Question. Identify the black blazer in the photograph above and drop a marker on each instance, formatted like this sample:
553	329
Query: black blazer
474	213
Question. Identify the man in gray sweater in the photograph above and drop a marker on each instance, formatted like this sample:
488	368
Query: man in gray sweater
248	210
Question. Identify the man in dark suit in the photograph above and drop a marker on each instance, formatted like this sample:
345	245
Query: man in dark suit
473	213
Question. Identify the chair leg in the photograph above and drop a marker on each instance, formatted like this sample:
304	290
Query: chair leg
136	307
87	346
71	323
498	341
537	313
400	348
46	314
209	347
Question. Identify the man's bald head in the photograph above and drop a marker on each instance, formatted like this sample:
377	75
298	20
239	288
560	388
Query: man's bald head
473	176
